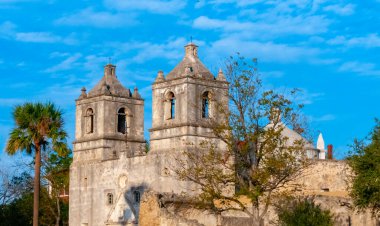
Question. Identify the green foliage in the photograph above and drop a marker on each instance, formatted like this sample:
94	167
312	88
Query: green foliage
259	159
17	208
365	163
303	212
37	126
20	211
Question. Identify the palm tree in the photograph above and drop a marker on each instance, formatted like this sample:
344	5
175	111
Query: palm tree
38	126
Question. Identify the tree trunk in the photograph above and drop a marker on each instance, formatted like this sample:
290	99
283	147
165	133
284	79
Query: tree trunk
58	218
36	195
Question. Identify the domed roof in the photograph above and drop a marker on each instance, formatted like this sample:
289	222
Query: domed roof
190	66
109	84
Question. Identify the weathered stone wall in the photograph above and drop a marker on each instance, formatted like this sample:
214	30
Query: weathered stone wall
326	181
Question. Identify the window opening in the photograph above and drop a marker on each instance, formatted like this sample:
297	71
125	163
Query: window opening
121	121
205	105
136	196
89	121
172	105
109	198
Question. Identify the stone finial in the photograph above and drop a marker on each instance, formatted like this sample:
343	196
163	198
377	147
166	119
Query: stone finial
136	93
109	70
221	76
160	77
191	50
83	93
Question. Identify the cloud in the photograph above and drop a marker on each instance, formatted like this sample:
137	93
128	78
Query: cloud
369	41
8	102
67	64
45	37
345	10
88	17
171	49
284	25
305	97
8	30
152	6
265	51
360	68
272	74
323	118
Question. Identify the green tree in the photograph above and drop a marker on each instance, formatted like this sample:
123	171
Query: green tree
56	172
260	159
303	212
37	126
364	160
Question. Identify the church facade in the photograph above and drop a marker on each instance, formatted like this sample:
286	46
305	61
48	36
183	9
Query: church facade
111	168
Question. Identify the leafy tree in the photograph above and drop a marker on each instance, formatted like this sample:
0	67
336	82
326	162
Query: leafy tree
365	163
259	159
303	212
56	172
37	126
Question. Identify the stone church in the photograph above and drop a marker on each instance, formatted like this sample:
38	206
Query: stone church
111	167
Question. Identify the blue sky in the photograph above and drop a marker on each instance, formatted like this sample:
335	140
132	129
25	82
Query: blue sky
50	49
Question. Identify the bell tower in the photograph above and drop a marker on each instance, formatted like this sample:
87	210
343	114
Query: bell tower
184	102
109	120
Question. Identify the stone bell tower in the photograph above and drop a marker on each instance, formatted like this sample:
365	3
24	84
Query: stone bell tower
109	136
184	102
109	120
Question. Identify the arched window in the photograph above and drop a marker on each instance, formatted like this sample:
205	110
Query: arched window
121	121
205	105
89	121
136	196
109	198
170	106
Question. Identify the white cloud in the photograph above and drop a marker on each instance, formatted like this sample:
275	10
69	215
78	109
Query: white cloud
67	64
272	74
45	37
264	51
15	1
322	118
8	30
88	17
299	25
345	10
360	68
171	49
369	41
11	101
153	6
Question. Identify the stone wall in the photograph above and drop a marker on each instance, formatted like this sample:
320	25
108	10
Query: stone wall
325	180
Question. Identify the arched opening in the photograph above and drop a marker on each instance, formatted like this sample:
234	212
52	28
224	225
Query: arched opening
205	105
170	106
121	121
109	198
89	120
136	196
